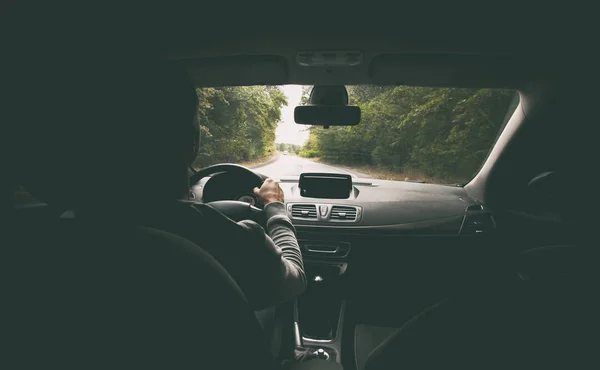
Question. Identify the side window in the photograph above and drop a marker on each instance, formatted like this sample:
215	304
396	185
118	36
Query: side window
22	198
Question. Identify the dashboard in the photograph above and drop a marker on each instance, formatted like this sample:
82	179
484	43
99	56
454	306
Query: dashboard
388	236
379	206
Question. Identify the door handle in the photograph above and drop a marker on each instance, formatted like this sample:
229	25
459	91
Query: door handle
326	249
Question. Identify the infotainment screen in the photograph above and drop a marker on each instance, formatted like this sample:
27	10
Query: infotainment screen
325	185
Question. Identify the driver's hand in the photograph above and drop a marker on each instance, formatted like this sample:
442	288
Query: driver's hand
269	192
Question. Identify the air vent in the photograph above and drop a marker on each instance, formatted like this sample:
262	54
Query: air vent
342	213
475	207
477	224
304	211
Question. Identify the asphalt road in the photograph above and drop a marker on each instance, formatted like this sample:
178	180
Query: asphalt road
291	165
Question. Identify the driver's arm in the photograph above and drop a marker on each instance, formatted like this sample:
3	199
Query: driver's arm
276	262
265	262
276	256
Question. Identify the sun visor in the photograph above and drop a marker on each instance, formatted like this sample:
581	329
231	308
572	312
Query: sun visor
237	71
442	70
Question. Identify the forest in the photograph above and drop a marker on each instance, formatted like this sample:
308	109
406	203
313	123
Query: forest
439	135
237	124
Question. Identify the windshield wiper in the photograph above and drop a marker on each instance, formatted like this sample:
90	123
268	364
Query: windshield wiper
458	185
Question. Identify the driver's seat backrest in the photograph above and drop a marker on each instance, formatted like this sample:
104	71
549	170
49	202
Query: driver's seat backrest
82	296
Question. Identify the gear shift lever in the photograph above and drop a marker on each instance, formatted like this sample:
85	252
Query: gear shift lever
297	336
300	352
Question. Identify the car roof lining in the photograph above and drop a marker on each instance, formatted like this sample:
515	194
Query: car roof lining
421	69
444	60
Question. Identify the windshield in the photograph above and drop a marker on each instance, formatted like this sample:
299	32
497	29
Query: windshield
433	135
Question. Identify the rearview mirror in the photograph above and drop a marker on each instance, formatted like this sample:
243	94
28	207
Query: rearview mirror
327	115
328	106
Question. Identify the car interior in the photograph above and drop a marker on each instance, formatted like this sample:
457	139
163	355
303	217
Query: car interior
500	272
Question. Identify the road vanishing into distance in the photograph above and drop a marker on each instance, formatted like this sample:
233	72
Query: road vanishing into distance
291	165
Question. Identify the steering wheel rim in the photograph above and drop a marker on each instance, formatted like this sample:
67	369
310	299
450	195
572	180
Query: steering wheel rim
225	167
234	209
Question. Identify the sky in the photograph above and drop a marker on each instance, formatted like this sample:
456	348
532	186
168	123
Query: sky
288	131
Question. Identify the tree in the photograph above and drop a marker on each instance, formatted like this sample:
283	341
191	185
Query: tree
237	123
305	95
434	133
290	148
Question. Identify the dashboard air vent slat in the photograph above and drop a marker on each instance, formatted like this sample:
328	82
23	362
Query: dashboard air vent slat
475	207
304	211
343	213
476	224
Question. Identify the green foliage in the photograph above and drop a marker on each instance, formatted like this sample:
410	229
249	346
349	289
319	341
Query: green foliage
309	153
237	123
439	134
306	90
310	149
290	148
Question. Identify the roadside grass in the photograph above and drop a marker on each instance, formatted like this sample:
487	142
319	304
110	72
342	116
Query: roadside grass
256	162
261	161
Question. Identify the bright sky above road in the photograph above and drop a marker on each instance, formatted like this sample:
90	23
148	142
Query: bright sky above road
288	131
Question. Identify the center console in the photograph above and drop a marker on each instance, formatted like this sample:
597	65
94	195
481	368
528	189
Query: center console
319	312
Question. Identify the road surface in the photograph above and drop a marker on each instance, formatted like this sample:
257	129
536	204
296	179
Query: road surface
291	165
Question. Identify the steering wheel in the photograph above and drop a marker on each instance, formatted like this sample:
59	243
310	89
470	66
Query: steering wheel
234	209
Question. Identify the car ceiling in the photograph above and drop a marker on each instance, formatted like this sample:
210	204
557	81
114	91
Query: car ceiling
227	49
392	59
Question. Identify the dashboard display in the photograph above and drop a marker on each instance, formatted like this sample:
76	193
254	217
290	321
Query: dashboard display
325	185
